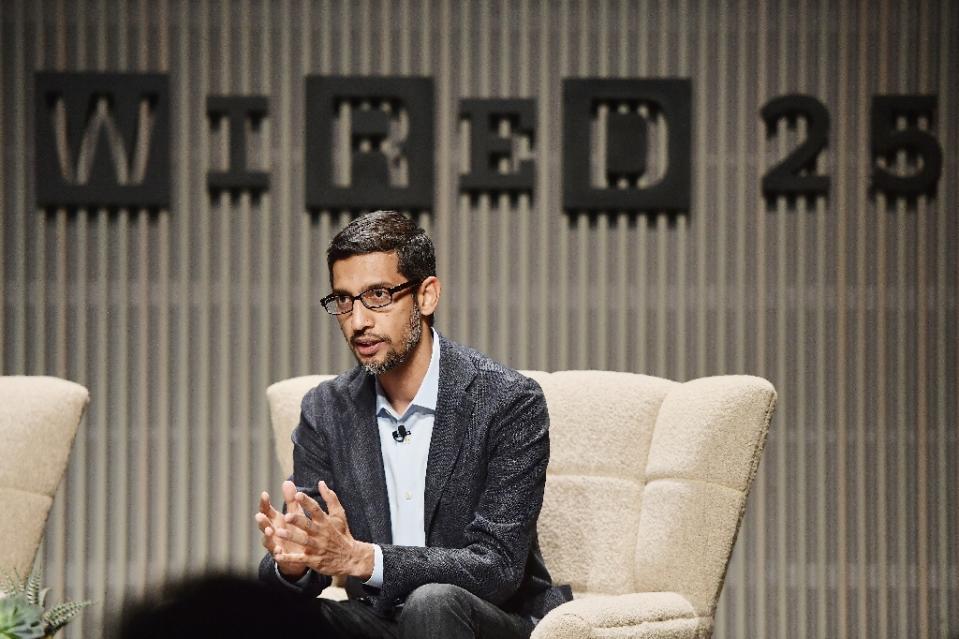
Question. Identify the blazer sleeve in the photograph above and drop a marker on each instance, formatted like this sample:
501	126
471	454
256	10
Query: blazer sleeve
310	464
491	562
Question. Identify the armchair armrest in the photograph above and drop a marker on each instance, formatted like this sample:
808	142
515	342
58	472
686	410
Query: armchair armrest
646	615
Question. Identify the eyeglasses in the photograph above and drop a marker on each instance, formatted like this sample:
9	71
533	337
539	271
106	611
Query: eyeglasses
372	298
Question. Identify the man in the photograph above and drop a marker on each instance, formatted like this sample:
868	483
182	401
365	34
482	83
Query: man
429	457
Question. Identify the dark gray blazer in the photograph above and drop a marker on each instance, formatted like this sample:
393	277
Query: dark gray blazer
484	483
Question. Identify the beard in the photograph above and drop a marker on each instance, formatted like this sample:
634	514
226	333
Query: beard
394	357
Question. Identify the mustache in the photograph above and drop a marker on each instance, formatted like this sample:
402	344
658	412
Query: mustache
368	336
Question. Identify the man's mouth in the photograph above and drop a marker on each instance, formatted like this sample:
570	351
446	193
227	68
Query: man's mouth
367	347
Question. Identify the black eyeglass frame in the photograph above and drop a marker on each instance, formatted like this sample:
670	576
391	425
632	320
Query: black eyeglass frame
392	291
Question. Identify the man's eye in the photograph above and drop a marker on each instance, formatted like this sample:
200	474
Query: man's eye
378	295
342	300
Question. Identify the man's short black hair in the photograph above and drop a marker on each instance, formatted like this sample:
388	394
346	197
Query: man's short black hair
386	232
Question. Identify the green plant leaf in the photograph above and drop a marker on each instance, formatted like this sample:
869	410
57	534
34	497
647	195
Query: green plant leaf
19	619
32	588
22	614
61	614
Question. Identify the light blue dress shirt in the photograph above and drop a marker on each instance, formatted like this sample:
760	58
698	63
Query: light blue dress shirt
404	462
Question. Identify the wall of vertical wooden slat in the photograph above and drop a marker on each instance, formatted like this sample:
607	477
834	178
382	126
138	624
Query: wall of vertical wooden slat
178	319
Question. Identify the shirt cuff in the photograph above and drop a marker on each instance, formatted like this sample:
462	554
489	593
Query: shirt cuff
376	579
297	585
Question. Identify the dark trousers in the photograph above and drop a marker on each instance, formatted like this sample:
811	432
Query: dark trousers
439	611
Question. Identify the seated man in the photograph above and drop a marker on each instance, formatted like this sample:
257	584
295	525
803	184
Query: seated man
430	460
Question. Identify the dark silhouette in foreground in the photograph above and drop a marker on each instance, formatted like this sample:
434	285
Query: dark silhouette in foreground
217	606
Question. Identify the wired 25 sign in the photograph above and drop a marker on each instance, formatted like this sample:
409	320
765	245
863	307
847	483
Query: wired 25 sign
103	139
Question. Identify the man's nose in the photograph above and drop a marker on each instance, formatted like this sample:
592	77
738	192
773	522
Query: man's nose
361	317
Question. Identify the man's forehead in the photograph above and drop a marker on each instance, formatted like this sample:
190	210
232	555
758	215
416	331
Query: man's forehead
366	270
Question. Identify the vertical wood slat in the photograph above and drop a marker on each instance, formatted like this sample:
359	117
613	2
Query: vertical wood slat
187	347
780	546
861	619
664	336
200	433
546	126
905	349
683	69
795	617
183	493
160	466
882	520
942	277
286	200
140	354
840	362
220	394
922	380
19	359
241	456
821	573
758	594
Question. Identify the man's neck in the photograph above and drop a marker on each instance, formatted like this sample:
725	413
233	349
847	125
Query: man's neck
401	384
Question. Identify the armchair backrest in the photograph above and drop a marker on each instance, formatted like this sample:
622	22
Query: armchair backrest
601	426
38	422
284	399
706	448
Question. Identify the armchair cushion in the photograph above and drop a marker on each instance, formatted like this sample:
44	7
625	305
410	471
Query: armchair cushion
643	615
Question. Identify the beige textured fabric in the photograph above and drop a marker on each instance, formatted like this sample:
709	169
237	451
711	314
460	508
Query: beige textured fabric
21	535
610	415
38	422
284	399
652	615
645	492
704	455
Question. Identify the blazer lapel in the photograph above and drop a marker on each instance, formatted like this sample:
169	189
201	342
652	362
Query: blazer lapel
454	411
367	467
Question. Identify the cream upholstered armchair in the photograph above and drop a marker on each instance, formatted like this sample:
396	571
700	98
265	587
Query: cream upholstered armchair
38	422
645	492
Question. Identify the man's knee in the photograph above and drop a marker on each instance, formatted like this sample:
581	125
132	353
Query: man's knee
436	596
436	601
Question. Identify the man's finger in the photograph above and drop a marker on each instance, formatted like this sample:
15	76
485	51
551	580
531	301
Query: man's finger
289	495
271	542
299	520
262	521
292	557
310	505
333	505
297	536
266	507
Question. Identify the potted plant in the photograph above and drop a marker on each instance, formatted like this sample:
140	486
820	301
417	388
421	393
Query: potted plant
23	613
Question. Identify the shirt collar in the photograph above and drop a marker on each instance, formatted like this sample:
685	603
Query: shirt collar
425	398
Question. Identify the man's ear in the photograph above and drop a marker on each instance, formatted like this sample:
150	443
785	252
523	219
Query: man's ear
428	295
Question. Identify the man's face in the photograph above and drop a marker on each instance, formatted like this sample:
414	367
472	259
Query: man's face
384	338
